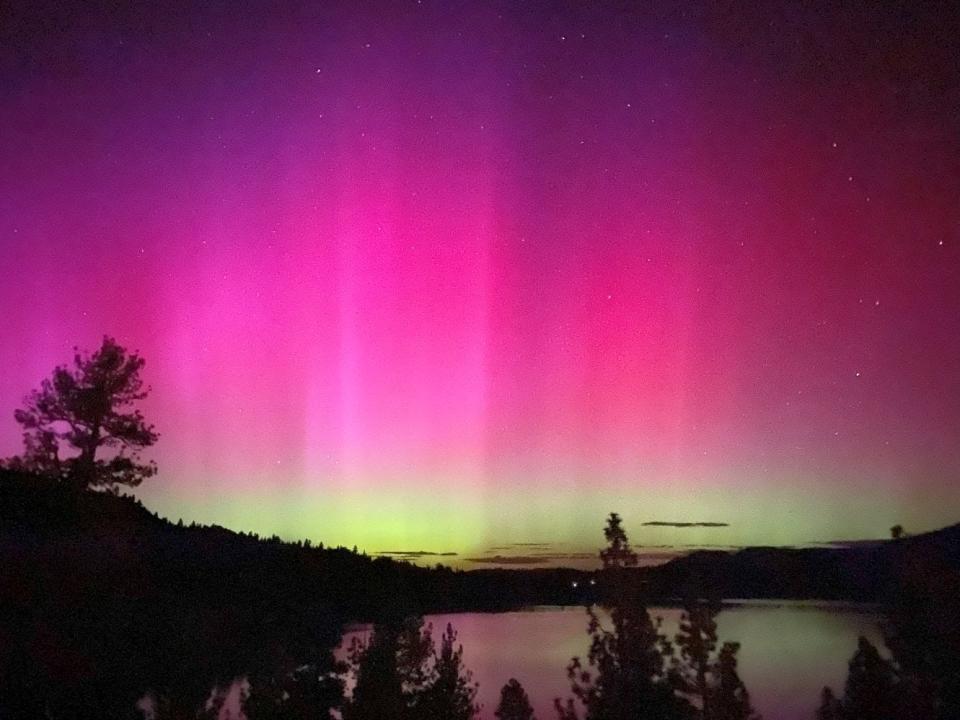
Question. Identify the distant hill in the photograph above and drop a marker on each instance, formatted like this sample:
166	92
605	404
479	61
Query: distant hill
943	543
859	572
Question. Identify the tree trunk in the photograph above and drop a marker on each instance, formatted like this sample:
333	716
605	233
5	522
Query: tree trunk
85	467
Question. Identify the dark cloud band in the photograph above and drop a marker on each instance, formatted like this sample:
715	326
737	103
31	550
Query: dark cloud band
664	523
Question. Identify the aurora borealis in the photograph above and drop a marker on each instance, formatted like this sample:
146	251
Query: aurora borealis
452	277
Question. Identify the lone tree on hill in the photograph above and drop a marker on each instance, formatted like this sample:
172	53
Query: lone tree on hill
87	409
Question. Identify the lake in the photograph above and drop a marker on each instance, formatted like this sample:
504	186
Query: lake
789	650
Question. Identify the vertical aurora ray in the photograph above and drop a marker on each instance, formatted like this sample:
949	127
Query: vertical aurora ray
447	277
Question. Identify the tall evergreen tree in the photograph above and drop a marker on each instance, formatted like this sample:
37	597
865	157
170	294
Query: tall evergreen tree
921	628
696	642
618	553
400	674
699	673
378	691
625	678
514	703
872	691
728	698
871	685
450	693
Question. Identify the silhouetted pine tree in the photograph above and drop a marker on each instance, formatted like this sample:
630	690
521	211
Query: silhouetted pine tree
711	679
626	678
871	691
728	698
696	642
922	631
514	703
618	554
379	691
400	674
450	693
86	410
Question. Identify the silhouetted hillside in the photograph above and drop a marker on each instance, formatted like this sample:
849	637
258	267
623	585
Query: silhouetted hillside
943	543
50	536
102	603
858	573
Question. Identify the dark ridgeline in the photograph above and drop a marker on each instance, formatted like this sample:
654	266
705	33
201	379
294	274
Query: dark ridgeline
857	573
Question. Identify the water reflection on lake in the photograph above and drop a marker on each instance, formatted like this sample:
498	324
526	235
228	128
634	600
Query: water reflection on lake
789	650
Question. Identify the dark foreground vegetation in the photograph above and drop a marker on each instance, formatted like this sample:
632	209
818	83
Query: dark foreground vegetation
106	608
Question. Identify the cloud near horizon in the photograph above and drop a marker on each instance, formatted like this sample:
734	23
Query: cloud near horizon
510	560
665	523
554	558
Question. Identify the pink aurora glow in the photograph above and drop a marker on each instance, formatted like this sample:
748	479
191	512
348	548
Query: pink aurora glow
490	250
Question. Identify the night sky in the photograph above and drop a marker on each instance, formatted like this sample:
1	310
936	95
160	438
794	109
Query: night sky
452	277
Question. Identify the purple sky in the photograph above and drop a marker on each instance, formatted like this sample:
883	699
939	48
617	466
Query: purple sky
438	276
